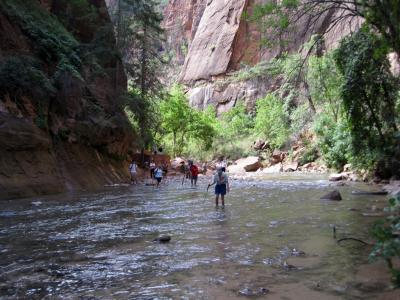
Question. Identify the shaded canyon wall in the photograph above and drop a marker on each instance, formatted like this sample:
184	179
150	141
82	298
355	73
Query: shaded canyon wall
76	139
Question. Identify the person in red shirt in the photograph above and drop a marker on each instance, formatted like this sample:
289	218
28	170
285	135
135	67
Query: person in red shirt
194	173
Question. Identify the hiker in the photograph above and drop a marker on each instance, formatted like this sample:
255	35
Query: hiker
187	169
204	168
158	174
133	172
165	168
221	186
221	164
152	168
194	173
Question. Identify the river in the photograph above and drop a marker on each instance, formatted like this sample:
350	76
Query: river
273	240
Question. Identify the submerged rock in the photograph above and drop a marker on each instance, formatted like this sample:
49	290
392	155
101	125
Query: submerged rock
376	193
251	293
334	195
163	239
288	267
296	252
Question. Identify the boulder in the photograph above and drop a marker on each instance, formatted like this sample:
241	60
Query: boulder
250	164
273	169
290	167
334	195
278	156
176	163
335	177
347	168
260	145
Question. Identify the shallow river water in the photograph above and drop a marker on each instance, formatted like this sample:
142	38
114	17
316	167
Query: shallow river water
273	240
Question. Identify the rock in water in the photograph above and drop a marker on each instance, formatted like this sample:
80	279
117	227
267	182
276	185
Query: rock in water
248	164
163	239
273	169
334	195
335	177
290	167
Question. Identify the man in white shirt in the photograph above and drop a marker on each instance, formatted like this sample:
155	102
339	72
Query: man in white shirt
221	186
133	172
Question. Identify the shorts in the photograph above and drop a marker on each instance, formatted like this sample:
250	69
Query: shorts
220	189
158	179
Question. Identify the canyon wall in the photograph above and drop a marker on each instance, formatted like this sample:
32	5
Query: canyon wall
218	41
61	125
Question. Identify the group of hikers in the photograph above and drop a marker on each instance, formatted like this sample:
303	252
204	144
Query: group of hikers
190	171
156	171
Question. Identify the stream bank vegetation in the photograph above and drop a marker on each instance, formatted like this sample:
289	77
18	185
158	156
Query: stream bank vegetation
355	102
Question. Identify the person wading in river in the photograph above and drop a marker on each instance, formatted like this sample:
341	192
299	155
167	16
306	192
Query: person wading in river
152	169
133	172
158	174
221	186
194	173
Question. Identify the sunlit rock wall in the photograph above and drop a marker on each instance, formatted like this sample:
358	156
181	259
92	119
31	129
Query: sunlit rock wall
220	41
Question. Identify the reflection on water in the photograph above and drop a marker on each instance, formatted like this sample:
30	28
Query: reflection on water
272	235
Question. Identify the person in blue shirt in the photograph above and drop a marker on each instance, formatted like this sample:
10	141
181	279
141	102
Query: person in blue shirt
158	174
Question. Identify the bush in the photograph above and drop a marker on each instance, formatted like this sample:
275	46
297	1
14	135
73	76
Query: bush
22	76
52	40
310	155
386	233
334	141
271	122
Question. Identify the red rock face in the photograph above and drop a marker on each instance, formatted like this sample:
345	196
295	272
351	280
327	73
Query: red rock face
211	51
181	20
220	41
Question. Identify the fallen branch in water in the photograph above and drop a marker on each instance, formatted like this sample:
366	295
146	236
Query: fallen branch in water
352	239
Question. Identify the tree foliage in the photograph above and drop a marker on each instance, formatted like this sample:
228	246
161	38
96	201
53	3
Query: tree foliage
271	121
387	246
369	93
139	36
180	123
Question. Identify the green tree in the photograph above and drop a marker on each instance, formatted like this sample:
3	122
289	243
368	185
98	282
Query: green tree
182	123
369	93
325	83
139	35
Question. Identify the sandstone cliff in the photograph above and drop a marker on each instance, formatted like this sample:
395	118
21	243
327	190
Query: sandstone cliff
219	41
61	125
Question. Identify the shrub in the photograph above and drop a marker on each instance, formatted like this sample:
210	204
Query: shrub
22	75
53	43
386	233
334	141
271	121
310	155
